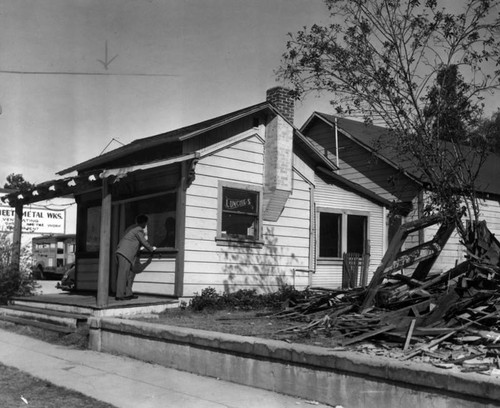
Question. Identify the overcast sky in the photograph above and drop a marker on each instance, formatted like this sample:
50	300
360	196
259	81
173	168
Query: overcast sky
193	60
220	54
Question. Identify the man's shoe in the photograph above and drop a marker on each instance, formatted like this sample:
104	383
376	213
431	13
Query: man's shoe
119	298
131	297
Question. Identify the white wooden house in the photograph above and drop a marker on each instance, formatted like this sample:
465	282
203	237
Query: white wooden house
364	155
243	200
253	203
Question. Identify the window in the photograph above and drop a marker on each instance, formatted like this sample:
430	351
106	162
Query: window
330	233
341	232
160	210
239	212
356	233
93	229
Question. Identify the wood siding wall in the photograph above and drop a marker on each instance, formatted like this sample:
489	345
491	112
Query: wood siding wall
329	272
229	267
87	273
157	279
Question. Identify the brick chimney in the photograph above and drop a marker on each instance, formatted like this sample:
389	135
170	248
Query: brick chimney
278	154
282	100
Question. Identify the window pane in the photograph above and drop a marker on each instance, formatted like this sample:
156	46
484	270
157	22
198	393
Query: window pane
161	213
93	229
241	201
240	213
240	225
329	235
356	234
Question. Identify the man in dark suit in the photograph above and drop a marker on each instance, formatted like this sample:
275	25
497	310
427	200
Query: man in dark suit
126	255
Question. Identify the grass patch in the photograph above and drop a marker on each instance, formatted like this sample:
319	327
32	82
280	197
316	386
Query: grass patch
78	340
19	389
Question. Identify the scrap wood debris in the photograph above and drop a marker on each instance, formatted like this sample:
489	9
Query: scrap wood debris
449	319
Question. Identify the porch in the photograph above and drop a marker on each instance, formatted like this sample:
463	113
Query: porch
68	311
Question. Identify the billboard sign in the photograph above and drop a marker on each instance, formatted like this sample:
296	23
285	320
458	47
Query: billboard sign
36	220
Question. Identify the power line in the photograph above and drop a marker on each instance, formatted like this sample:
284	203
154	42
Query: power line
4	71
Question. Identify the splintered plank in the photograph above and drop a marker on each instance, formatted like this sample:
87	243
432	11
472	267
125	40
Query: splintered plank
392	254
440	239
408	336
367	335
428	346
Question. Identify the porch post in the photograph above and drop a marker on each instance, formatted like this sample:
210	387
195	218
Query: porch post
16	237
104	246
180	215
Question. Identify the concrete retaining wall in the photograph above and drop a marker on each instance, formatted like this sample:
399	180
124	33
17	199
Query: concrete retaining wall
314	373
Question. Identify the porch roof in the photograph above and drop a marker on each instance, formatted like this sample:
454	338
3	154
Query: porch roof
69	186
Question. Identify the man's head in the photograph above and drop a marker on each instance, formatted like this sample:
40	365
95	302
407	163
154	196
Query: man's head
142	220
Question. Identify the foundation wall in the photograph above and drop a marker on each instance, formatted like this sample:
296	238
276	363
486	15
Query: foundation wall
314	373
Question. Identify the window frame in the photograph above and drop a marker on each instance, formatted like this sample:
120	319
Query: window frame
122	203
344	227
225	239
86	245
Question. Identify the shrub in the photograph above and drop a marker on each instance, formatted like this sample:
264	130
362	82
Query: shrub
286	296
14	280
246	299
209	299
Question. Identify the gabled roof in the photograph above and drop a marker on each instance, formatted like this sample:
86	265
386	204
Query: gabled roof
375	139
187	132
176	135
104	161
378	140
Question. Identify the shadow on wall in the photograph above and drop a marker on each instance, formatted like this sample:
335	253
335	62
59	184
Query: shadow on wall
258	268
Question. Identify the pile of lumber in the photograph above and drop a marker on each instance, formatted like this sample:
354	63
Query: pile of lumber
450	318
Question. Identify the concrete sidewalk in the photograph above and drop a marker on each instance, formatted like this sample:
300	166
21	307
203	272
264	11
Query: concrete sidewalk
125	382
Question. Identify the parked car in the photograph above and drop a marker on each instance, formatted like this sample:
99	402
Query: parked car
68	280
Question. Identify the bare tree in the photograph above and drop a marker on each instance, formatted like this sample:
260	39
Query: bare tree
418	69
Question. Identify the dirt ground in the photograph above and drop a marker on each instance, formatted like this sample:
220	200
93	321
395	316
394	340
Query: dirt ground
262	324
265	325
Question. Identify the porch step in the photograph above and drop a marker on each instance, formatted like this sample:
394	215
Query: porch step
44	318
